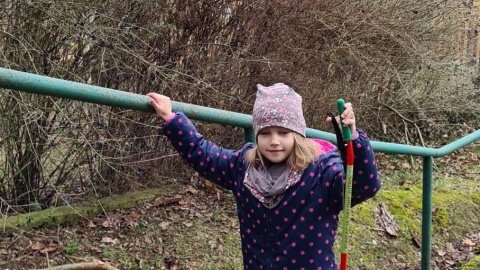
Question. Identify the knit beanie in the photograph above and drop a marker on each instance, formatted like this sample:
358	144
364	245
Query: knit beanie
278	105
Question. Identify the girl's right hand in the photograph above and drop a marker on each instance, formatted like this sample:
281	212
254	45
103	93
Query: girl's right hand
348	119
162	105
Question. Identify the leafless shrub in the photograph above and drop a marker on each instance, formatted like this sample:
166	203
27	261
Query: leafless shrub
387	57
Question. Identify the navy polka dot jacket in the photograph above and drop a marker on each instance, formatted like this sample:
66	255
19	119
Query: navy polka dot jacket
299	232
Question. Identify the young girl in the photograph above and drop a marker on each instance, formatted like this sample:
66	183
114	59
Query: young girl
288	189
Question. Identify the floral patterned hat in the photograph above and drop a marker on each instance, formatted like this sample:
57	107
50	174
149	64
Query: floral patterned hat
278	105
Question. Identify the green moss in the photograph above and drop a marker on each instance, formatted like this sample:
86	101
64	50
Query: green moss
405	206
53	216
441	218
474	264
44	218
362	214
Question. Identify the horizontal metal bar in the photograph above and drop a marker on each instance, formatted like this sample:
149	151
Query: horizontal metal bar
43	85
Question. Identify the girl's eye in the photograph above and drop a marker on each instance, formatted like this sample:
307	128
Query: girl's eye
284	132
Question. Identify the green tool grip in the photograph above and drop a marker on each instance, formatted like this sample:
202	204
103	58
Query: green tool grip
347	134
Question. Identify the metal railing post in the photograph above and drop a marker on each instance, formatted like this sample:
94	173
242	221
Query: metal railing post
249	135
427	212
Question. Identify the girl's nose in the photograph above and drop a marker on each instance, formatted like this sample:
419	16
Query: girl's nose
274	140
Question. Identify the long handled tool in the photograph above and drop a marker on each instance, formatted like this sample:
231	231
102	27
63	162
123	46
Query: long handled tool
345	148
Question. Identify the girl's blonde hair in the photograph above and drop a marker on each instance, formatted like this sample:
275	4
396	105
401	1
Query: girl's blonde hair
304	153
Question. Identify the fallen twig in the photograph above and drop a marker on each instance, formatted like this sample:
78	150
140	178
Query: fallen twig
96	265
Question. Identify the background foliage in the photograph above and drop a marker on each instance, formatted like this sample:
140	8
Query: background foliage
396	61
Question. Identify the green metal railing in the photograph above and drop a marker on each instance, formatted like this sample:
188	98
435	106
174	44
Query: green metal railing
37	84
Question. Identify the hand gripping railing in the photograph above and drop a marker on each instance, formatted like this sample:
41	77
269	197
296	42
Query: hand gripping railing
37	84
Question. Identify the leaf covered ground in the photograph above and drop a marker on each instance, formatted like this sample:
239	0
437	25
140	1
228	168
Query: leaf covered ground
194	226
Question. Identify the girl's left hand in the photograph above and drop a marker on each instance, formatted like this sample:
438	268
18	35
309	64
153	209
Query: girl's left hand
348	118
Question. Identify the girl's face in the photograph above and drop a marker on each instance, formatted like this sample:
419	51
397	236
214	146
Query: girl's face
275	143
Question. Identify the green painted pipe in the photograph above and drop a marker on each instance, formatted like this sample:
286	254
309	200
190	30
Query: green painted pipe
43	85
427	190
393	148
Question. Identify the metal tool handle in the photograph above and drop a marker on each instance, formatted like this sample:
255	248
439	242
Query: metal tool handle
347	140
347	134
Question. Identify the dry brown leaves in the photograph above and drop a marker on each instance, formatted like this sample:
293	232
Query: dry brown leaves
385	220
453	254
